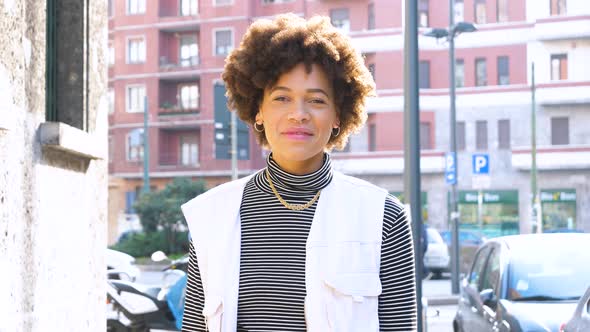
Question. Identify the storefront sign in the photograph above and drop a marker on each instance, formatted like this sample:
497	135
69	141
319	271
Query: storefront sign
558	195
489	196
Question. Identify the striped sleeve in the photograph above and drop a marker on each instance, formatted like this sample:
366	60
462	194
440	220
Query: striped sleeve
192	320
397	302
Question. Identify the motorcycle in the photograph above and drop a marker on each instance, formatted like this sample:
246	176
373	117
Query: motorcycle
136	307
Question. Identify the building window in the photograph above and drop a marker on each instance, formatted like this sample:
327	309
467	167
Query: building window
480	11
340	19
371	18
68	55
189	151
372	137
459	73
504	134
111	149
111	95
135	98
222	2
560	133
424	75
558	7
558	67
135	145
481	135
371	67
502	10
110	8
111	54
459	11
189	51
423	13
275	1
503	70
189	96
135	7
460	135
189	7
425	136
136	50
223	42
481	72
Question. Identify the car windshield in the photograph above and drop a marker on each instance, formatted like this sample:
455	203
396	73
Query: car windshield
549	273
433	236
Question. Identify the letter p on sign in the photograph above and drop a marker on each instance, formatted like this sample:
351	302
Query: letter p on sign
481	164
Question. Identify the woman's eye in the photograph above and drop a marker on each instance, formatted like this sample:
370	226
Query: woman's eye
281	98
317	101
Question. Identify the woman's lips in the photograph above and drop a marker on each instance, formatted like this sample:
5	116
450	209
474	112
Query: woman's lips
298	134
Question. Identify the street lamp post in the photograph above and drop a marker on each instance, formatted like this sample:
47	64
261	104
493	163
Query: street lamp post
450	34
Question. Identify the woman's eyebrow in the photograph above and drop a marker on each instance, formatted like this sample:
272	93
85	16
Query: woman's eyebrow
284	88
317	91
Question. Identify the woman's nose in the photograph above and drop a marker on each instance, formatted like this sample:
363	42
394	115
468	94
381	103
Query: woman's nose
299	113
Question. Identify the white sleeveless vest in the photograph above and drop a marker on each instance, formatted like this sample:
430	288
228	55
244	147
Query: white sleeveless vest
342	258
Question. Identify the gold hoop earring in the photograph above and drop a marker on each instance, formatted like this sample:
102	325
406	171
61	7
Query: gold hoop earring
256	124
335	134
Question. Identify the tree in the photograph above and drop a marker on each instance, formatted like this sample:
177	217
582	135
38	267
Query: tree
160	210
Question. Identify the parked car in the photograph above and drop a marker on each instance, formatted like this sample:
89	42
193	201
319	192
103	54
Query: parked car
580	321
436	258
524	283
121	265
466	238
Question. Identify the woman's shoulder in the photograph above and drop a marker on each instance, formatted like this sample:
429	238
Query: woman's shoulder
356	182
221	191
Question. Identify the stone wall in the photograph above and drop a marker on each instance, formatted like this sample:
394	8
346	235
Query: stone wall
53	198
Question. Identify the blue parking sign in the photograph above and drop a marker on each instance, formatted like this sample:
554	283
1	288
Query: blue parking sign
481	163
451	168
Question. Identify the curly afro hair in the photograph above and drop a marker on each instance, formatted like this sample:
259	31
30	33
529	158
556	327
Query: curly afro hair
271	48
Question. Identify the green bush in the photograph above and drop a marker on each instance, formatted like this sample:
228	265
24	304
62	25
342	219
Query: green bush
144	244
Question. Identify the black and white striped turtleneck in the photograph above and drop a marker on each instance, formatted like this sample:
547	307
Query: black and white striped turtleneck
272	260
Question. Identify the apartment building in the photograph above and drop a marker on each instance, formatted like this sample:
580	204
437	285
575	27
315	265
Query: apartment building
171	52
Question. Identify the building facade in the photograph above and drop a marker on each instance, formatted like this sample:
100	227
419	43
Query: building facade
172	51
53	168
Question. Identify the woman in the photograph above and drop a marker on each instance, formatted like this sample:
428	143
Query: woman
298	246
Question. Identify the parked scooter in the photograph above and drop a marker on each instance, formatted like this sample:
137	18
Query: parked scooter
142	308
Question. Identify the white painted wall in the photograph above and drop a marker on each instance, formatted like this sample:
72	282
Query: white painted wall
538	9
578	52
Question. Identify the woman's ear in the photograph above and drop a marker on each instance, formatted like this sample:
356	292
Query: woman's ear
336	124
258	117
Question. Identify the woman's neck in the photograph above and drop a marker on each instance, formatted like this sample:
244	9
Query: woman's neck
300	167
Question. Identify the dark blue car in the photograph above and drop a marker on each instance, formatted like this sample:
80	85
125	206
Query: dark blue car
524	283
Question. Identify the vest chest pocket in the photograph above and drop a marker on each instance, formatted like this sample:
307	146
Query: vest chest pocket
213	312
352	301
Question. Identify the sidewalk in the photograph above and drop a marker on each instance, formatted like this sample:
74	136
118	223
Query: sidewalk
438	292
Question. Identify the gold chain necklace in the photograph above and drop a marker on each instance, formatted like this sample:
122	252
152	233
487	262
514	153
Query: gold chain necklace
294	207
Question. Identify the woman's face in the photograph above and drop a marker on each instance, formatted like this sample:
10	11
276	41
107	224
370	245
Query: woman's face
298	114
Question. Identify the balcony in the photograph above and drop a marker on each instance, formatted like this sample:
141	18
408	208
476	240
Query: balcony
562	157
178	15
179	68
171	110
385	162
562	28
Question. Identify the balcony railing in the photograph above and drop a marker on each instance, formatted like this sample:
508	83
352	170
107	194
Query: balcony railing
176	161
168	64
177	110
